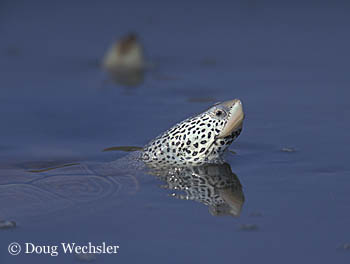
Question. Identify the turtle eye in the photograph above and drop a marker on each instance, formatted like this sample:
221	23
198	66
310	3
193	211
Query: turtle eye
218	113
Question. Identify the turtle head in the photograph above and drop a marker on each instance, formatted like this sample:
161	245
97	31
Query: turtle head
124	56
199	139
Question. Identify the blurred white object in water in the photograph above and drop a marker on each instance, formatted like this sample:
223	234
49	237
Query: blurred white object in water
7	224
126	54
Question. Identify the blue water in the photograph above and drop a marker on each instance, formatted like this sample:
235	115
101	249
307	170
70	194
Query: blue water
288	62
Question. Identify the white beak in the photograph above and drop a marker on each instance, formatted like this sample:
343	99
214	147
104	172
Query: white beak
236	117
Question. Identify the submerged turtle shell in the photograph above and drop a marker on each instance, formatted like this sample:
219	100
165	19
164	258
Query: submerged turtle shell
39	192
179	156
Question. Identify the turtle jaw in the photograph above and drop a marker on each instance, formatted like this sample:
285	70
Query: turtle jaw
235	119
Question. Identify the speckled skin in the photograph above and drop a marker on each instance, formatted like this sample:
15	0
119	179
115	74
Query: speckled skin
195	140
181	156
214	185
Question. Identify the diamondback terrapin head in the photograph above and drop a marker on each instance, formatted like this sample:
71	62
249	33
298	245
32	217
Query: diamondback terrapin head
125	55
199	139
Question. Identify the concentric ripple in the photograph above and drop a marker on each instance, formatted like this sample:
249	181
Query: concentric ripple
30	194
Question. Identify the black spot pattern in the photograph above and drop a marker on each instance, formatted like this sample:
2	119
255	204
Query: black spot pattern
182	146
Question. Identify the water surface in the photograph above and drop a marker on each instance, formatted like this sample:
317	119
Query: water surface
287	62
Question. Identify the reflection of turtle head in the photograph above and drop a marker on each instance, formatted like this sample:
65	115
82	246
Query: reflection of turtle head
128	78
233	201
214	185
